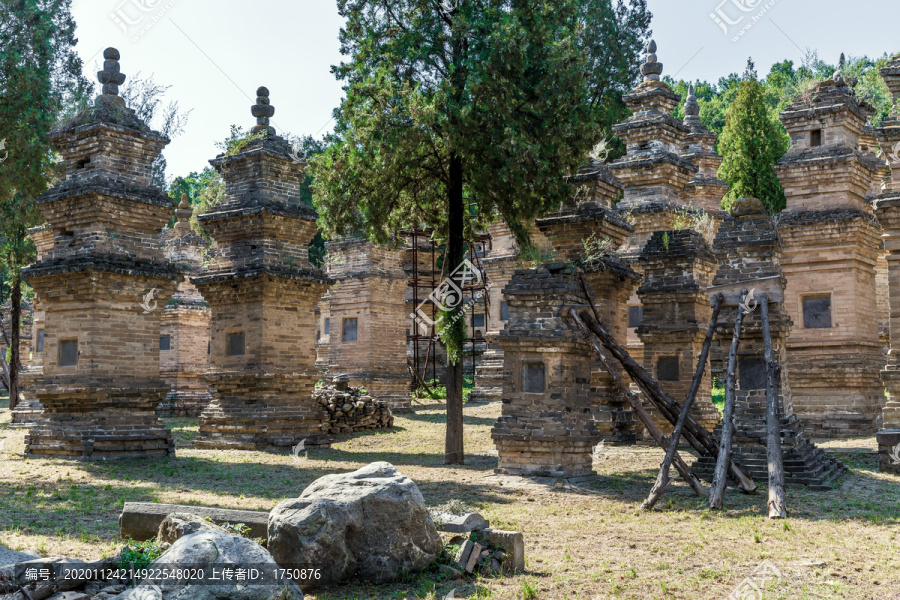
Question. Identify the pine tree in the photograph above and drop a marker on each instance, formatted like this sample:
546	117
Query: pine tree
751	144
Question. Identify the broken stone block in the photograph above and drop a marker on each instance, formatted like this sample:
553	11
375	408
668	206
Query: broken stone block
511	542
473	558
177	525
462	555
449	572
460	523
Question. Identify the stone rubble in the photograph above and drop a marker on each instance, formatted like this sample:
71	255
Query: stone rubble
350	409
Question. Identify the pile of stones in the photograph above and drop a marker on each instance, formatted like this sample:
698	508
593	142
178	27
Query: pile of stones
350	409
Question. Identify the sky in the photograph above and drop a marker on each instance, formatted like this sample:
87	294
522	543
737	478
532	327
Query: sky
215	53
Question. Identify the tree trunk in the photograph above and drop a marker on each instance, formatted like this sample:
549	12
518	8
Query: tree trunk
15	318
453	448
777	502
720	476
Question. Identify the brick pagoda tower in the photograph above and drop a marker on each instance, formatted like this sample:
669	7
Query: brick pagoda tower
748	248
653	171
545	427
887	207
589	216
831	245
101	286
368	343
262	290
678	267
184	330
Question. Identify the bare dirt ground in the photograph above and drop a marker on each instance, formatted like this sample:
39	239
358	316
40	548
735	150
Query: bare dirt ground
581	543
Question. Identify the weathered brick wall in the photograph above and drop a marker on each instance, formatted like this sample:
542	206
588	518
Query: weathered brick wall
370	279
678	267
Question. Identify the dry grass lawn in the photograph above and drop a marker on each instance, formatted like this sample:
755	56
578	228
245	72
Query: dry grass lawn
581	543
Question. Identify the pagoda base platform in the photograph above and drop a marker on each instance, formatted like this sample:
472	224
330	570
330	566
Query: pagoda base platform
262	411
91	420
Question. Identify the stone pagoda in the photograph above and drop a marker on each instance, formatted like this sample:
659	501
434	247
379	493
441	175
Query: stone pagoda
262	291
101	286
368	344
545	427
586	230
184	330
678	267
831	246
748	248
887	207
653	171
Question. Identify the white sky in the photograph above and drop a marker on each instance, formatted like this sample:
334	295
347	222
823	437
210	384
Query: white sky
215	53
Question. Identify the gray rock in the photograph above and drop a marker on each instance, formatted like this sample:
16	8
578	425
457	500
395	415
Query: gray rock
371	522
209	549
69	596
448	572
460	523
177	525
11	557
474	556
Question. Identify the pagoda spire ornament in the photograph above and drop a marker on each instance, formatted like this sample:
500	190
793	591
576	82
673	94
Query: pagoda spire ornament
111	78
651	69
263	111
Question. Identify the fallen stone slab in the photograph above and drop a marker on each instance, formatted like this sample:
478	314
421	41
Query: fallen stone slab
460	523
140	521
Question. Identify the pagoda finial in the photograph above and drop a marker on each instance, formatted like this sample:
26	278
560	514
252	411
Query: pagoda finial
651	69
183	212
111	77
263	111
691	109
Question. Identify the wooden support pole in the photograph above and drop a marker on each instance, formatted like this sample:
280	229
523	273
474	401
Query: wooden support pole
717	495
694	433
777	503
638	407
662	480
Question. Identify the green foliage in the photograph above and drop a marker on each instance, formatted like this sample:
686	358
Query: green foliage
596	248
528	590
515	92
139	554
718	396
751	145
436	391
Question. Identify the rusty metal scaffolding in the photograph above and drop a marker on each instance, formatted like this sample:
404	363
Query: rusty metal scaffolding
422	333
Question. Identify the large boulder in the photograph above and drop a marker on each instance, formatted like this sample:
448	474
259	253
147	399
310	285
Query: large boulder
372	523
214	551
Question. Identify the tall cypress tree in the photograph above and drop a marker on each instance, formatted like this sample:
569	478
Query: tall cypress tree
470	102
751	144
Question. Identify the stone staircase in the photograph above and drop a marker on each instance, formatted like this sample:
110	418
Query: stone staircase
804	463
